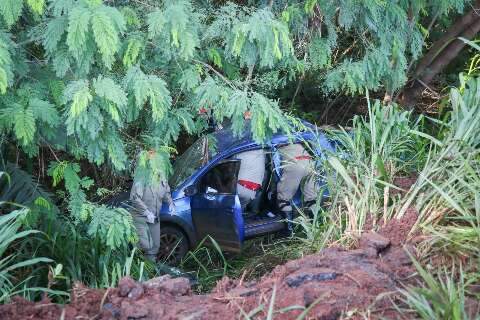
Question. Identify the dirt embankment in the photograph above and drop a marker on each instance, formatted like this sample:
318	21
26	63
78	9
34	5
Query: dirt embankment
332	284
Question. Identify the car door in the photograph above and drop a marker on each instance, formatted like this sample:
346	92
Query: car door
215	206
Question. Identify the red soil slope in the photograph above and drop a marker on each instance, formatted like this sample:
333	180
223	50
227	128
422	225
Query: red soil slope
332	284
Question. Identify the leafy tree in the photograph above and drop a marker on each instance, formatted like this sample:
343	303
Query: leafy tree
101	82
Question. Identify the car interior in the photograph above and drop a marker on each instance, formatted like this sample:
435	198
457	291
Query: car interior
262	216
256	218
221	179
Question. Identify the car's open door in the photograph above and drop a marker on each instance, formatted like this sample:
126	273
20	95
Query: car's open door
216	209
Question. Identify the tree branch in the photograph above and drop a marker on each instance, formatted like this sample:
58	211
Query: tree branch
216	72
452	33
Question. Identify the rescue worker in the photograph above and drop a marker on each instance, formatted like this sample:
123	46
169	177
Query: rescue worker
251	173
147	199
297	170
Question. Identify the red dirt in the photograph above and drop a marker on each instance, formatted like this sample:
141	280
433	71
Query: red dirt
398	230
334	283
403	183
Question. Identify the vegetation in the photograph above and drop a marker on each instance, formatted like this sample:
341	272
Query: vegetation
87	87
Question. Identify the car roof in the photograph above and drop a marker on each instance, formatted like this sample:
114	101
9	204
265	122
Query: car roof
226	139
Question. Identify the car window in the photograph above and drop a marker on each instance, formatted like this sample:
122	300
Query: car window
198	155
221	179
190	161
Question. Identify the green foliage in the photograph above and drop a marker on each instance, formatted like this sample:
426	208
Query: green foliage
28	116
78	28
151	89
5	64
387	34
113	226
441	297
22	188
11	10
95	84
255	39
175	25
449	179
11	233
360	174
147	68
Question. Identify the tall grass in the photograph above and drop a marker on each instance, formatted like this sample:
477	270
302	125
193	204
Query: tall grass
360	173
439	297
86	259
12	261
447	192
449	179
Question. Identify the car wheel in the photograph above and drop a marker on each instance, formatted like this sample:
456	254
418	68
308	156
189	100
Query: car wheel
173	245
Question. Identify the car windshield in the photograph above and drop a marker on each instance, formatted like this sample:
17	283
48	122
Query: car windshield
201	152
191	160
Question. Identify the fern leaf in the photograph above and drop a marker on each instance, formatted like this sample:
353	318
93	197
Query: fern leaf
319	52
79	93
3	81
260	39
24	126
44	111
176	26
130	17
62	7
56	89
149	88
116	151
61	62
107	88
23	188
55	30
158	94
105	31
190	79
78	23
156	22
37	6
132	52
11	11
5	66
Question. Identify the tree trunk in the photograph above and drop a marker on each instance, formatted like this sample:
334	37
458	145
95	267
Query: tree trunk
444	51
452	33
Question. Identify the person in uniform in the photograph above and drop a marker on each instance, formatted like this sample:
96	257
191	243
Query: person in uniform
297	169
147	200
250	175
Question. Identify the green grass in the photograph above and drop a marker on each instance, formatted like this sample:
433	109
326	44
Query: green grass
209	264
440	295
14	263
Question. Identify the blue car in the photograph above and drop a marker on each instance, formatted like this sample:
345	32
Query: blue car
204	184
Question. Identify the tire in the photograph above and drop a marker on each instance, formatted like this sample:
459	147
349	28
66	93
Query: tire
173	245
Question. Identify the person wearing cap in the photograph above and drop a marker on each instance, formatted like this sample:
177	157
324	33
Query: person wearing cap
147	199
297	169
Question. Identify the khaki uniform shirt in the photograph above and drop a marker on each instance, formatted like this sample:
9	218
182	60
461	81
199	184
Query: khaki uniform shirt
150	197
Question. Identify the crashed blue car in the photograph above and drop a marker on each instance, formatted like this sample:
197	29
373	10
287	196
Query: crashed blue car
210	164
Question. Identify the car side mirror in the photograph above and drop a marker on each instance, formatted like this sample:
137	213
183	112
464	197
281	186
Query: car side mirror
190	190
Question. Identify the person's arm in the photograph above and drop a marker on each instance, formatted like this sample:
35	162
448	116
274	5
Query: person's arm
136	195
168	198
